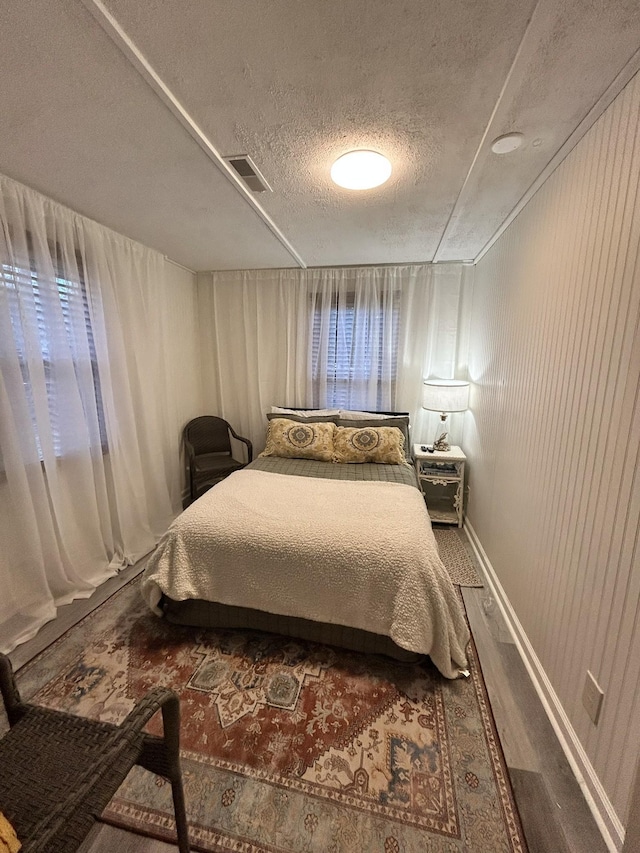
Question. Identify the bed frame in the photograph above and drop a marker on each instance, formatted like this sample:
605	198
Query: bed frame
207	614
210	614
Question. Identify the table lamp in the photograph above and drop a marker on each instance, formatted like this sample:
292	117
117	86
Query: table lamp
444	396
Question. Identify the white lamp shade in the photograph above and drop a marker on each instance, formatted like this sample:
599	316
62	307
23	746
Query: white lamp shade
445	395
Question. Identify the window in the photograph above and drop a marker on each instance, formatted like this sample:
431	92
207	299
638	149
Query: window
53	311
355	351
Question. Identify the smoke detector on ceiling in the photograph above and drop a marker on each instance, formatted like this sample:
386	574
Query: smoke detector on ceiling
246	169
507	143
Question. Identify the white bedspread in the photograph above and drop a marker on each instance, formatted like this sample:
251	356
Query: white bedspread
360	554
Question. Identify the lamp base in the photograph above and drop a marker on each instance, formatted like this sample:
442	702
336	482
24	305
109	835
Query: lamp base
440	442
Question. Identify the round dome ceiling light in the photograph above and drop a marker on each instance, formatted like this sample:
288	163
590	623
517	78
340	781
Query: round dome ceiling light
360	170
507	143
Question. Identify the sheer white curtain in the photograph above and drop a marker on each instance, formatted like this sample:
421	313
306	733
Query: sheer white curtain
357	338
88	465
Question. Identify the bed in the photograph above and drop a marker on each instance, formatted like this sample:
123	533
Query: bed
315	540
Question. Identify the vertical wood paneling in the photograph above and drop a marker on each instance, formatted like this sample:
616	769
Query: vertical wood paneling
554	430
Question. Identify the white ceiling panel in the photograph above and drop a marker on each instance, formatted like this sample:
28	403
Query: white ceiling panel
123	111
571	53
80	125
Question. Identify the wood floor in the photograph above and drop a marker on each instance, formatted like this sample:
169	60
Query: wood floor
554	814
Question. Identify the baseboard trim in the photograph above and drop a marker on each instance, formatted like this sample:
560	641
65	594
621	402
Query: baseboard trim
603	812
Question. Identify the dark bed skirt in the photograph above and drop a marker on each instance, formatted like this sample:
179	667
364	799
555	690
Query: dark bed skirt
208	614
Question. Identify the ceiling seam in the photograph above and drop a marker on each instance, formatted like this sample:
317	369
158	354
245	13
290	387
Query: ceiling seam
178	264
387	265
343	267
624	76
129	49
499	100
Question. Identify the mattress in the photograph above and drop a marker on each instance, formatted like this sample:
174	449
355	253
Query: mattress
410	602
331	471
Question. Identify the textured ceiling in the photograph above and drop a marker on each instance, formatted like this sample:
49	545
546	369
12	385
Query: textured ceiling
122	110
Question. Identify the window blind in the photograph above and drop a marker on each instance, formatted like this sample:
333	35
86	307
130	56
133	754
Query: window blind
351	343
41	304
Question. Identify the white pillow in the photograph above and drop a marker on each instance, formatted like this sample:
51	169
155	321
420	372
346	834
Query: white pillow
356	416
305	413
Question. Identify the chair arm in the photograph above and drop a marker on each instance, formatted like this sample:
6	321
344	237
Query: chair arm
245	440
155	700
120	748
160	755
13	704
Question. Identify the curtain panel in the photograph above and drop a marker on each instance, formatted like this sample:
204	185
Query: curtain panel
356	338
89	472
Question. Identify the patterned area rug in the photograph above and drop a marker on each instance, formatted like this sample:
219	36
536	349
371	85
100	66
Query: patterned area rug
287	746
455	557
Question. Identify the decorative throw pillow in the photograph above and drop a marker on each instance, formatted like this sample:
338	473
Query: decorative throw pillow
369	444
8	838
297	440
399	421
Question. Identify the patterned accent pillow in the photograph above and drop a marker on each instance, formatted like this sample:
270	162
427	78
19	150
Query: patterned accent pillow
295	440
399	421
369	444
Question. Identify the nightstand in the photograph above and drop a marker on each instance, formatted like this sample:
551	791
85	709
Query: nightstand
441	476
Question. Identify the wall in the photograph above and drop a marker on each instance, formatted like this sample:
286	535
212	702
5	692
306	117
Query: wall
632	836
553	439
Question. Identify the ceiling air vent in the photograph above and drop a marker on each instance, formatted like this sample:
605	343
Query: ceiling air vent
248	171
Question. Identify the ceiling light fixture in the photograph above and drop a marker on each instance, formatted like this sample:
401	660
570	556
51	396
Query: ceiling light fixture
360	170
508	142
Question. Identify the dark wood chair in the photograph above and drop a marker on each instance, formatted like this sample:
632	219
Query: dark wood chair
207	442
58	771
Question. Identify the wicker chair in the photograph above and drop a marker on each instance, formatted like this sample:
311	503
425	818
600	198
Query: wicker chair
208	448
58	771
